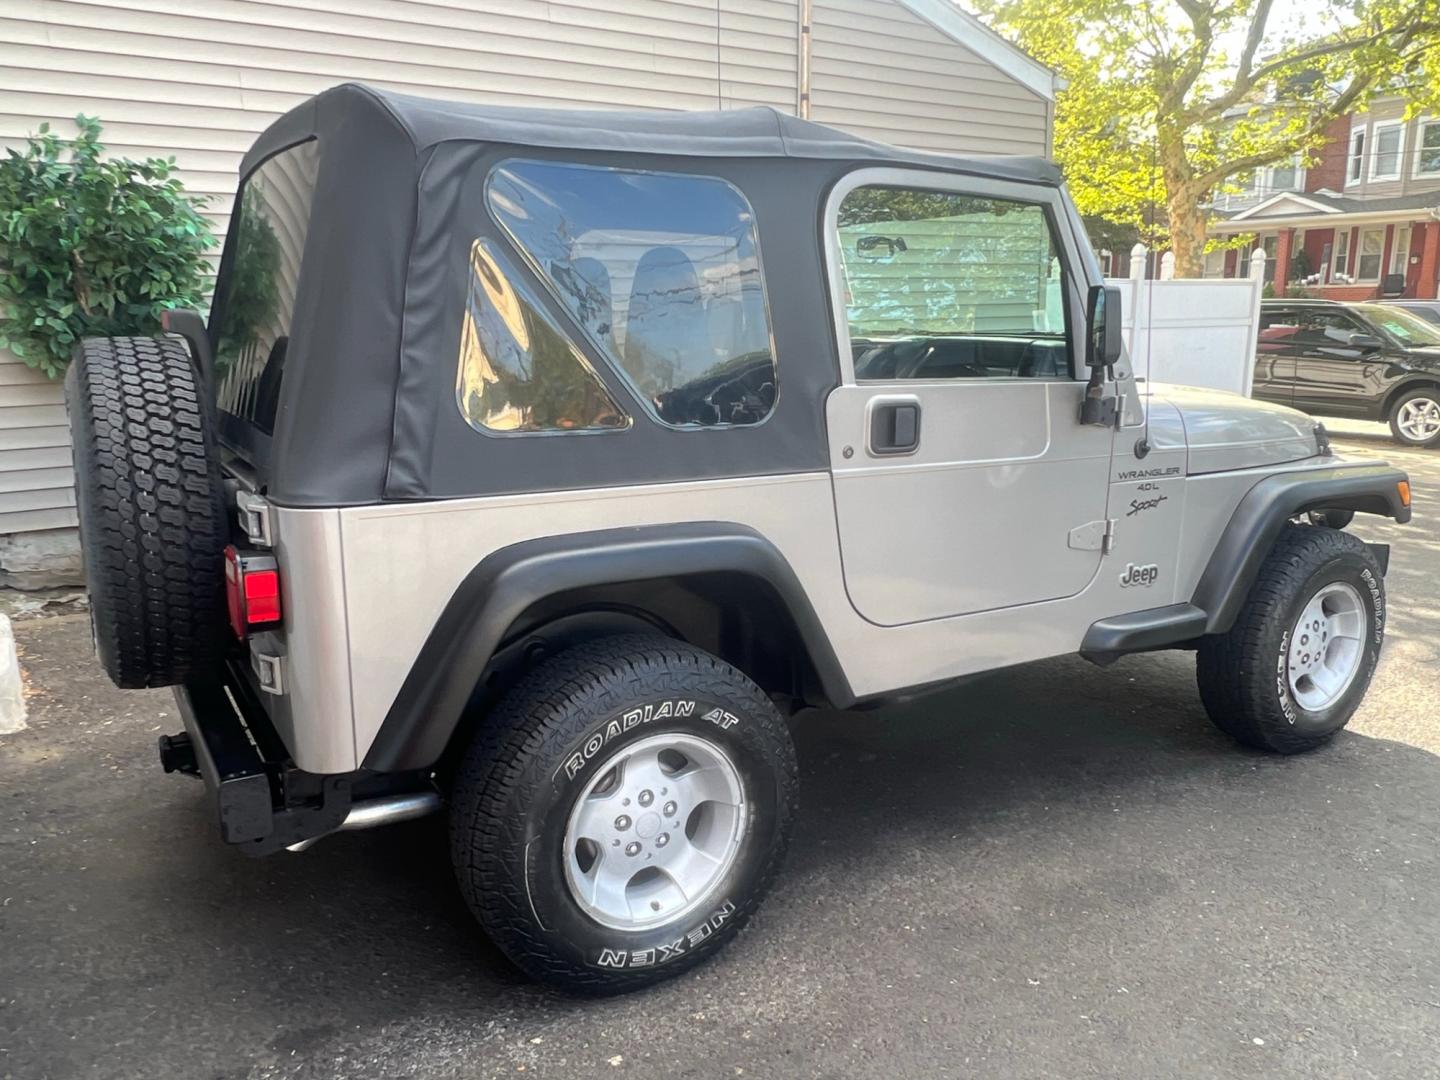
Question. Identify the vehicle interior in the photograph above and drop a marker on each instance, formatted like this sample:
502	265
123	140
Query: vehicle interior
962	356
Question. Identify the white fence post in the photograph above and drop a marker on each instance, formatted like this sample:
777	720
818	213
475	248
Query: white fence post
1167	266
1257	264
1137	262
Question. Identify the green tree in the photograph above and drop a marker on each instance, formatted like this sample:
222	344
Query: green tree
91	245
1170	99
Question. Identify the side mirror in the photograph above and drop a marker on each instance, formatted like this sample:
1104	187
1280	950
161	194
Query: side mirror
1103	343
1364	341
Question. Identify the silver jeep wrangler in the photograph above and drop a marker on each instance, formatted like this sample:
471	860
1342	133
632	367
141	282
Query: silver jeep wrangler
537	465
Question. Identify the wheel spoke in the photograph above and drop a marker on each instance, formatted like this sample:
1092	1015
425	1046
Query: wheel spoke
1327	680
704	784
1346	624
595	819
606	884
689	867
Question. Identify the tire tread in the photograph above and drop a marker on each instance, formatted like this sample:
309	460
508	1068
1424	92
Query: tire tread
152	519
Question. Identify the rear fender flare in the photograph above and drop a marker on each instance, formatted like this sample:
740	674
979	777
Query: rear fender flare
508	582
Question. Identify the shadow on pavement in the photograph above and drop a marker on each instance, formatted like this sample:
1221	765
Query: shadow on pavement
1054	870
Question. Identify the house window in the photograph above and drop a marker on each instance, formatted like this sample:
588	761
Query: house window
1285	177
1215	263
1341	266
1428	162
1107	262
1357	156
1400	252
1372	248
1271	246
1389	147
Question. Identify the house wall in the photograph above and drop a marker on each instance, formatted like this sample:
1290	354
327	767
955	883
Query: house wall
1327	173
884	72
198	79
1382	112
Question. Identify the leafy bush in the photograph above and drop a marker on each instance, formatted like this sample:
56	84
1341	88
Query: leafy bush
91	246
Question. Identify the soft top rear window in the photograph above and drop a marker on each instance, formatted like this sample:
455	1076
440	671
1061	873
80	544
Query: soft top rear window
257	301
661	271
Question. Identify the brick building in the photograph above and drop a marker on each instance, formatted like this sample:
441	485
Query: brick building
1362	222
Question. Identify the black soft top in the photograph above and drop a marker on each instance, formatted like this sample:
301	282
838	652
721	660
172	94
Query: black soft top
760	131
367	404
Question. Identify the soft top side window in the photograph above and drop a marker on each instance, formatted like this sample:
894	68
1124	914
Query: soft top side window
261	278
518	371
661	271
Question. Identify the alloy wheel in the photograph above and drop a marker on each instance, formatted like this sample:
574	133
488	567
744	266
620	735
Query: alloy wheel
656	831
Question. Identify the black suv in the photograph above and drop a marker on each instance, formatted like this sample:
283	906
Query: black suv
1367	361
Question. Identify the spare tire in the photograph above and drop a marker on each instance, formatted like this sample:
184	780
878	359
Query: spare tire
153	525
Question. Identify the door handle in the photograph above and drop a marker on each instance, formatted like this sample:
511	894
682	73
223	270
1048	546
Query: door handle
894	426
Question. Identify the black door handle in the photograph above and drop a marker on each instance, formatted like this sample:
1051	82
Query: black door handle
894	427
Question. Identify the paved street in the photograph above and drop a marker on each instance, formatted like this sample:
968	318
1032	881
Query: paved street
1055	871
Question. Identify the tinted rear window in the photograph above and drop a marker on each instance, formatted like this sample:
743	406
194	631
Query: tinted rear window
261	279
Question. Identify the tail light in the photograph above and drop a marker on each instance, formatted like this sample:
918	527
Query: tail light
252	590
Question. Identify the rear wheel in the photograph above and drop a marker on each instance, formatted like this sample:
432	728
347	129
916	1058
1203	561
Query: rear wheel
153	527
622	812
1415	420
1292	670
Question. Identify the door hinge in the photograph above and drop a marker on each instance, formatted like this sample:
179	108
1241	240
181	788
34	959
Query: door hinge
1094	536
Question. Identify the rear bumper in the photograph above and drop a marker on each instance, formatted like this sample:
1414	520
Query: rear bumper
261	802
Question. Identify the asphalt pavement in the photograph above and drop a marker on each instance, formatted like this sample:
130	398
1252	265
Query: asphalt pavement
1056	870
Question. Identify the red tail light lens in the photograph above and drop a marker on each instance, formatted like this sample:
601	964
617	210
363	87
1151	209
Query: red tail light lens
252	590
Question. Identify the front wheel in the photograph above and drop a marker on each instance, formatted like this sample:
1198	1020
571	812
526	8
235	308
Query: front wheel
622	812
1415	420
1293	669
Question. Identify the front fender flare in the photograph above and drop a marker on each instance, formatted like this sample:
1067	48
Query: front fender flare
1263	512
507	582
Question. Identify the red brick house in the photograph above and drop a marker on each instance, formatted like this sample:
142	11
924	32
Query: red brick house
1366	215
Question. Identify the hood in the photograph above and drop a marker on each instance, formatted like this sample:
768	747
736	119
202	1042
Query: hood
1225	431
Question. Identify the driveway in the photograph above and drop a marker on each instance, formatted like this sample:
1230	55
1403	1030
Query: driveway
1054	871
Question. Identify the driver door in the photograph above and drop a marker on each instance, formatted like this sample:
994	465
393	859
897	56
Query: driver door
963	479
1332	376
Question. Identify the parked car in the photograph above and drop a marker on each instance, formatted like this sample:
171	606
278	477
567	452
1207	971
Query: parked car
1367	361
510	477
1429	310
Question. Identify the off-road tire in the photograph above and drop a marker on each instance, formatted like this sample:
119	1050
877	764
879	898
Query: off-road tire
518	782
1242	673
1429	393
152	516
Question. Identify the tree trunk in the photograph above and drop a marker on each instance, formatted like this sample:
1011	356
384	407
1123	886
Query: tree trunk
1187	235
1182	202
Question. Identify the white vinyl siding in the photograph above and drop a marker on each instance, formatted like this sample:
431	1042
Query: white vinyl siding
881	71
199	79
36	488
